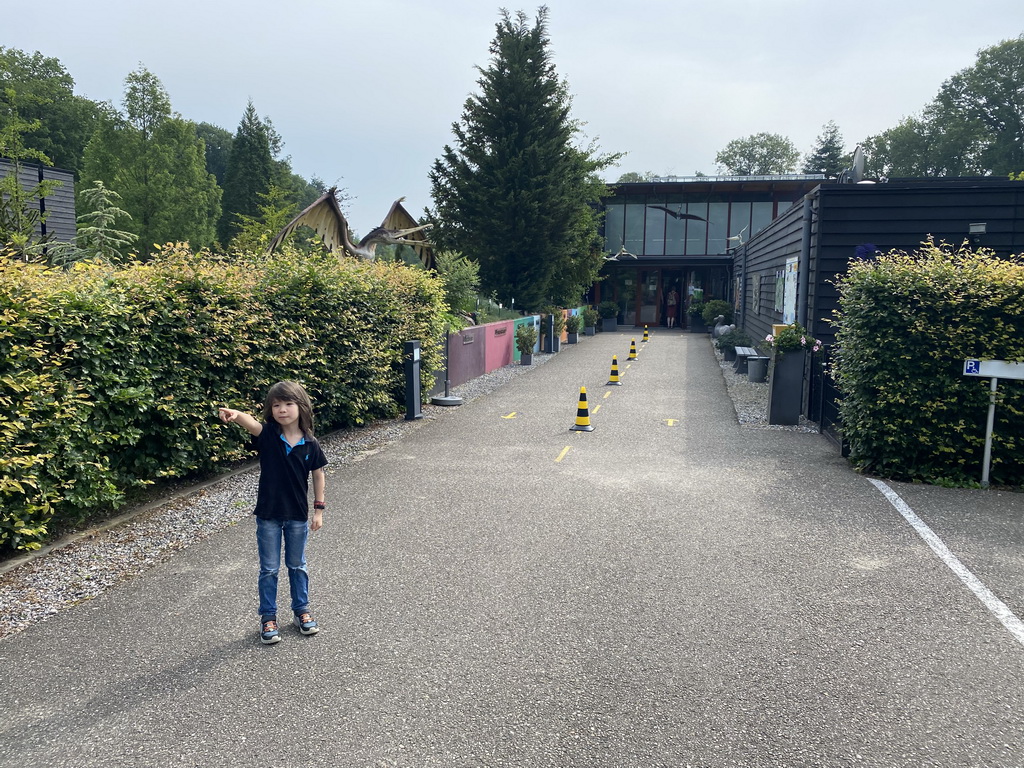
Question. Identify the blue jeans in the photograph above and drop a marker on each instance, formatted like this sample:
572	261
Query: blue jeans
269	534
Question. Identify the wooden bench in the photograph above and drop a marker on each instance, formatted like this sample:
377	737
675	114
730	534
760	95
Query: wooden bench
742	353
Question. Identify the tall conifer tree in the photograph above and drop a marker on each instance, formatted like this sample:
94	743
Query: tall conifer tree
827	157
249	175
515	194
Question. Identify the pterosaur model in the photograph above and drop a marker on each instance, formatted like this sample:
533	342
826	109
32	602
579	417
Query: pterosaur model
677	214
326	219
622	254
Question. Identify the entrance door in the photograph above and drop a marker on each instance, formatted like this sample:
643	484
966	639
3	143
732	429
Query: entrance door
649	298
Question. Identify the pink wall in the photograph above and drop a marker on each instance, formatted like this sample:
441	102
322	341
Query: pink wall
499	344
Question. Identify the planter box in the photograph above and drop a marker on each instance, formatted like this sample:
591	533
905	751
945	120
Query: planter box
526	359
729	353
609	324
589	330
574	338
697	324
785	388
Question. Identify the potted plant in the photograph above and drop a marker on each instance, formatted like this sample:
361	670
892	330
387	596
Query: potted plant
696	313
590	318
526	340
728	342
573	323
609	312
788	350
552	342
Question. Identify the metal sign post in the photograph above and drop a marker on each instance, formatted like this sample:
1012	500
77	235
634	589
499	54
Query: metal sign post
994	370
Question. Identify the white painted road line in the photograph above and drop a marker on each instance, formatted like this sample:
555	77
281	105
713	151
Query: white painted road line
998	608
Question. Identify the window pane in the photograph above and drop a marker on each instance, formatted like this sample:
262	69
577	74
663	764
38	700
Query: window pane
718	224
654	242
635	225
761	217
614	213
697	231
675	229
739	221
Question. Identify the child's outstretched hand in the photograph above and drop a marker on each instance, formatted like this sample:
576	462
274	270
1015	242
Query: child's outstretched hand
228	415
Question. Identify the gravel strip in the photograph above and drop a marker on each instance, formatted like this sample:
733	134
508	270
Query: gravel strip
86	564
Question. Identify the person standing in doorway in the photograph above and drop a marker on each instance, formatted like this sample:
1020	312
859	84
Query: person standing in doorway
289	455
671	306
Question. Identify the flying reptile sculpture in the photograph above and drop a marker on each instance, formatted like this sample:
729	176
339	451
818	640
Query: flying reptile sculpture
677	214
326	219
622	254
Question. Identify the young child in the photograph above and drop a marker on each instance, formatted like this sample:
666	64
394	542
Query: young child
288	455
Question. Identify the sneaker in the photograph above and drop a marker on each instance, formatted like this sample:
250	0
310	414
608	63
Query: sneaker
269	634
305	623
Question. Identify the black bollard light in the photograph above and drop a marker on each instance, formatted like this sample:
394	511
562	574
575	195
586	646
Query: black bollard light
448	398
412	381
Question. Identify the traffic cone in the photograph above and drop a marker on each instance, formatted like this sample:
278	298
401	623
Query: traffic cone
582	414
645	338
613	381
632	349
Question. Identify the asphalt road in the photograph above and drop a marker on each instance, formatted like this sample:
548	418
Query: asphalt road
495	590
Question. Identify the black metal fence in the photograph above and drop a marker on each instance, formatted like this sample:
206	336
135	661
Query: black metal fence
823	400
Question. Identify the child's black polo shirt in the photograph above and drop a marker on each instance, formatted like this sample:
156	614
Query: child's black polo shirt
284	474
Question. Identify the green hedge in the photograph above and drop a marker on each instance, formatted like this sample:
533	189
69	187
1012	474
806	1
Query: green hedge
906	324
110	378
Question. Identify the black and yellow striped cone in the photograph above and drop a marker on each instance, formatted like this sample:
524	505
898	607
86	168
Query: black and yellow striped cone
582	414
645	338
632	349
614	378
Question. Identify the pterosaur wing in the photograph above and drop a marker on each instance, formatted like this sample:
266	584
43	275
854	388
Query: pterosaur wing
324	217
400	222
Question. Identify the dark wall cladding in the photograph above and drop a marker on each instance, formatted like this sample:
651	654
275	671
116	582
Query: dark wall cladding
892	216
59	206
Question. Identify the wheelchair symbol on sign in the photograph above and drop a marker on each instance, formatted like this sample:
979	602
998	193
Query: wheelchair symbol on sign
972	367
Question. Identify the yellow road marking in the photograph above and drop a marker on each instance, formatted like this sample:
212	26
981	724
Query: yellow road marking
607	393
562	454
597	408
510	416
671	422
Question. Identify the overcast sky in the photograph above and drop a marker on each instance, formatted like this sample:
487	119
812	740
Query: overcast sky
364	93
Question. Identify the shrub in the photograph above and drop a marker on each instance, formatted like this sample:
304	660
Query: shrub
608	309
732	339
906	323
573	323
526	339
590	317
110	377
714	308
791	339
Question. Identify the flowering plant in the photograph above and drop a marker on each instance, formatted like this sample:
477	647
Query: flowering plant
792	338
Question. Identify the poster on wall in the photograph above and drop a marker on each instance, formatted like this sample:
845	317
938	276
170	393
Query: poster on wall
789	295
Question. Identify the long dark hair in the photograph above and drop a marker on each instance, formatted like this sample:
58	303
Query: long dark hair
291	392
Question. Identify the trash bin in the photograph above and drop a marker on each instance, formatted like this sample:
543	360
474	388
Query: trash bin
757	369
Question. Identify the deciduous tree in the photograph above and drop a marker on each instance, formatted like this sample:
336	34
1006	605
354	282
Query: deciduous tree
762	154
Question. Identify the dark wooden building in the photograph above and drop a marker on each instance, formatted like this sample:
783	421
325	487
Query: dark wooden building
786	273
58	207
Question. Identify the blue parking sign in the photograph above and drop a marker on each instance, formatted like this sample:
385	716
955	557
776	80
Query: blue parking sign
972	367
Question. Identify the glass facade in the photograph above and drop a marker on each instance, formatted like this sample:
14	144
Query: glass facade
693	254
645	224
